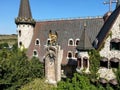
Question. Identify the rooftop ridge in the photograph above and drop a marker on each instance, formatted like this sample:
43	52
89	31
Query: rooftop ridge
70	18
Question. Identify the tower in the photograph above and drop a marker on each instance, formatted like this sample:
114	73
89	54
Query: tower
25	24
83	57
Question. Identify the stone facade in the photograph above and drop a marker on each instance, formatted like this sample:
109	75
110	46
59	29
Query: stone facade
106	51
53	59
25	34
115	33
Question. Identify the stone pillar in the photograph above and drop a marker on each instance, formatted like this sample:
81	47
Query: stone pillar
53	59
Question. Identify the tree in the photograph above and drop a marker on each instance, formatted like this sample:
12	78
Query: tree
17	70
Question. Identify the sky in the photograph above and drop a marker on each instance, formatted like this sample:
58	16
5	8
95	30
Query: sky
50	9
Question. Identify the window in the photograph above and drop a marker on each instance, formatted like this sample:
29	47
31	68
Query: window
77	42
37	42
76	55
115	44
19	33
70	42
79	62
48	42
114	62
35	53
20	43
70	55
85	62
104	62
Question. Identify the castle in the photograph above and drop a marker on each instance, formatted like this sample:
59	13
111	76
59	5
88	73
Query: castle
66	51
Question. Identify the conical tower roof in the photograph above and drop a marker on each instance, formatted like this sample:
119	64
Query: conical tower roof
24	16
25	11
84	43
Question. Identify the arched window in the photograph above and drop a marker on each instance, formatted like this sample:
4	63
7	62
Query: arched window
77	41
70	42
35	53
48	42
19	33
76	55
37	42
104	62
70	55
114	62
85	62
115	44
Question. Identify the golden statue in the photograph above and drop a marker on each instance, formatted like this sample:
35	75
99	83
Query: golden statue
53	37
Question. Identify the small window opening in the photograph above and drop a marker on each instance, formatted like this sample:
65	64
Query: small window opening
77	42
69	55
20	43
37	42
35	53
85	62
19	33
70	42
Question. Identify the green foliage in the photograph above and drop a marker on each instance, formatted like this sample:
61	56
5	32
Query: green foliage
37	84
78	82
16	70
94	63
4	45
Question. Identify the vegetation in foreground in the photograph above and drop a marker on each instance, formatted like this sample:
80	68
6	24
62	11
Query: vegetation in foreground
17	72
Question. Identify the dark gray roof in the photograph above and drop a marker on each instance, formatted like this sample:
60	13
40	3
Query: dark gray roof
85	43
66	30
107	27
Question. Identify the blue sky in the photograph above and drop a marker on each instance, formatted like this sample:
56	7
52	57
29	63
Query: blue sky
49	9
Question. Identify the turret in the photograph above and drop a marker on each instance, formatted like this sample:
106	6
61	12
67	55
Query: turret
25	24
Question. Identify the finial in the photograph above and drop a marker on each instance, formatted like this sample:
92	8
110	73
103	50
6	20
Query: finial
110	4
85	25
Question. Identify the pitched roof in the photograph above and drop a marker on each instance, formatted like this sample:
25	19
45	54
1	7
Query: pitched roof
66	30
85	43
107	27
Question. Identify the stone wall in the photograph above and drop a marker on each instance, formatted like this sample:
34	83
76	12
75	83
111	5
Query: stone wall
26	34
115	30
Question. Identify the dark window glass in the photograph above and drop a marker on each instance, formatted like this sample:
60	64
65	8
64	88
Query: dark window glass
19	33
37	42
114	46
71	42
77	42
70	55
35	53
20	43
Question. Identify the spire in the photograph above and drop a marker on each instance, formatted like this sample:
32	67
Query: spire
84	43
24	16
118	3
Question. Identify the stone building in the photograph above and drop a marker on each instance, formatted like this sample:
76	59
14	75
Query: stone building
75	38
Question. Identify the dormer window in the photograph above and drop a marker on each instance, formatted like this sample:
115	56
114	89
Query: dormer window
70	55
115	44
48	42
37	42
70	42
77	41
35	53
